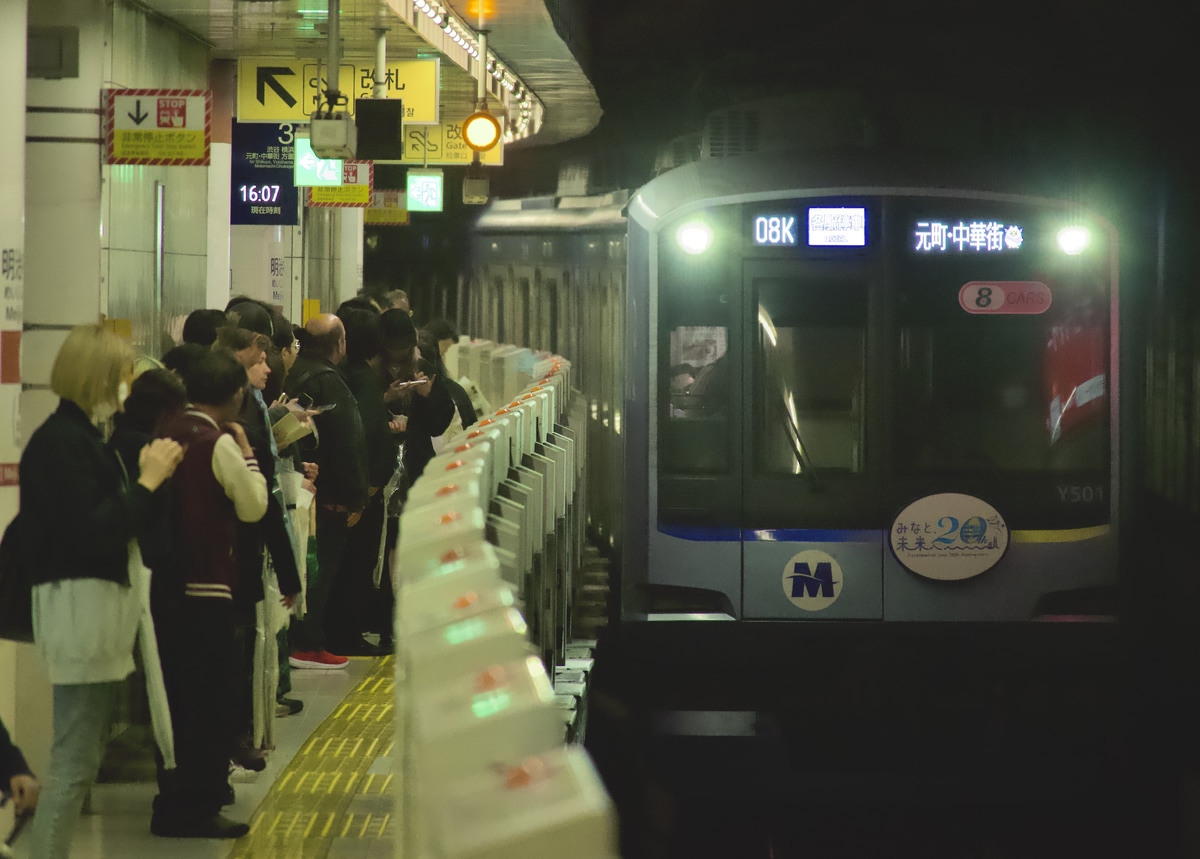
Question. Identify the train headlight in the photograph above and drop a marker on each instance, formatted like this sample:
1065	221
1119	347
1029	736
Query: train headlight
1073	240
695	237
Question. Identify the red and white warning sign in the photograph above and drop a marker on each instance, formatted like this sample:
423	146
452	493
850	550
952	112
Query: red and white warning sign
157	126
358	178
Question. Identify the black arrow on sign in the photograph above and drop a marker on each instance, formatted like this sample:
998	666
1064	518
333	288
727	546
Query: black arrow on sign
137	116
266	78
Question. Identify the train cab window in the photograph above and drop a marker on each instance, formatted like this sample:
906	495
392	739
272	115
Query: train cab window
809	376
698	384
1004	393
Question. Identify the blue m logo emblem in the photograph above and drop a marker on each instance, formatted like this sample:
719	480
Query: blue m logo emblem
806	583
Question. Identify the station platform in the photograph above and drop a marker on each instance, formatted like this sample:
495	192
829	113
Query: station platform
326	792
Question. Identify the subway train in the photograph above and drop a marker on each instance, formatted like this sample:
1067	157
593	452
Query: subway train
854	414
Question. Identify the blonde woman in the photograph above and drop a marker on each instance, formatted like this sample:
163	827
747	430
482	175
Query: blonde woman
83	515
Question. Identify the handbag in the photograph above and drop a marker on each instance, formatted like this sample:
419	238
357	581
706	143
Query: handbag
16	585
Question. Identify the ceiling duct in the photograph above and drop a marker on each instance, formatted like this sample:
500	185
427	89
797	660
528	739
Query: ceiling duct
803	121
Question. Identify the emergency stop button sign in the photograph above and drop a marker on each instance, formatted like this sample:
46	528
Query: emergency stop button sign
1005	297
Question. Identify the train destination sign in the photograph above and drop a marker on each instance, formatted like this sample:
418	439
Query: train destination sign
776	230
842	227
827	227
1025	297
967	237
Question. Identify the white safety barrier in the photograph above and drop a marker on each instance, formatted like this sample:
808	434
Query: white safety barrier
490	537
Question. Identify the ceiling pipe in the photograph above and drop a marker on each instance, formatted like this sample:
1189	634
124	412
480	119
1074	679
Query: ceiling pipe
332	95
381	71
481	88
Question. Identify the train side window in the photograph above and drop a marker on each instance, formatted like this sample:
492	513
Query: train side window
810	376
695	437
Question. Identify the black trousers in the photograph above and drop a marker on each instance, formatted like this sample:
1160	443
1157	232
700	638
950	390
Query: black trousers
353	594
198	647
309	633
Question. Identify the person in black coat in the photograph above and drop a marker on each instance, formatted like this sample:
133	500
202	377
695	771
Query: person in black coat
342	484
429	415
155	397
71	483
354	594
435	341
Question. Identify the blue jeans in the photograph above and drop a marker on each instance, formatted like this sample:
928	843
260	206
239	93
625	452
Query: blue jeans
82	715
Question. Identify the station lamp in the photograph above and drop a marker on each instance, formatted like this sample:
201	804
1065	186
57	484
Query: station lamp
481	130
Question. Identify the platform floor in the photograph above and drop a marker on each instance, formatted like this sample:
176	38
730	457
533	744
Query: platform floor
326	792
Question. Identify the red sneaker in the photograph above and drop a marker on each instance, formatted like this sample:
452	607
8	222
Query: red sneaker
317	659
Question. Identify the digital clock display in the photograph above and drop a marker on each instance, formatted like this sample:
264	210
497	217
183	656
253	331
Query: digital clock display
259	193
840	227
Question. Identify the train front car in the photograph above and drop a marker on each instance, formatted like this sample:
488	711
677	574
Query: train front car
869	398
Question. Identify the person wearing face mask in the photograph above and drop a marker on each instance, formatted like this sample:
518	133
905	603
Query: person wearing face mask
83	517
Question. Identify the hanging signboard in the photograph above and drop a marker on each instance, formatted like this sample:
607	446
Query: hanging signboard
443	145
355	191
171	127
287	89
262	182
388	207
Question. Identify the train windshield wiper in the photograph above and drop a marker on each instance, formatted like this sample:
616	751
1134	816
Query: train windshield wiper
791	426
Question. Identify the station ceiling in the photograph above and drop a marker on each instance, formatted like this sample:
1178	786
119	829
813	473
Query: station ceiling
521	36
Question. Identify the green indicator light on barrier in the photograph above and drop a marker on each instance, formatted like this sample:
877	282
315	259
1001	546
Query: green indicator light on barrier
489	704
457	633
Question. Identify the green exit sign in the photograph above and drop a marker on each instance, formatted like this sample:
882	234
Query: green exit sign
314	171
424	190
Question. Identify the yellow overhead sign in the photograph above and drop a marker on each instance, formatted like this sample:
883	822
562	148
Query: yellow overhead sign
279	89
443	144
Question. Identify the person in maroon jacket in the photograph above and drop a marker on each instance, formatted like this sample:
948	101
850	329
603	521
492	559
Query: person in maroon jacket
217	485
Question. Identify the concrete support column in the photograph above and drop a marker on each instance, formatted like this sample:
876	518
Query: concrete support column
12	282
350	254
63	259
266	262
222	79
63	213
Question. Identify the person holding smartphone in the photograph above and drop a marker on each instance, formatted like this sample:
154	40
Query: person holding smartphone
342	483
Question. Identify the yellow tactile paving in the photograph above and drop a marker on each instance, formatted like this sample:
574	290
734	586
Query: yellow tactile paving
328	793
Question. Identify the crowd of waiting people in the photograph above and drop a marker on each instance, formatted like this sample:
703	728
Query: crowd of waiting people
161	510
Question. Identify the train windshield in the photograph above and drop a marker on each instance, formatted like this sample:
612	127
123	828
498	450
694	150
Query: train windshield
810	377
1001	365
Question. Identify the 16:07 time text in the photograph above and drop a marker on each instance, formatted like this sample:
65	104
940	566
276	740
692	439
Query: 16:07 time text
259	193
